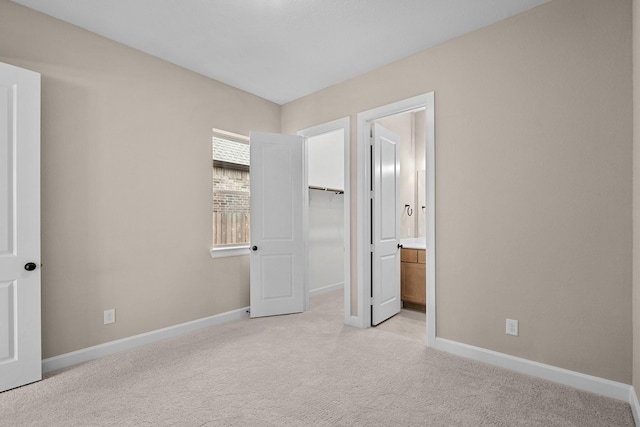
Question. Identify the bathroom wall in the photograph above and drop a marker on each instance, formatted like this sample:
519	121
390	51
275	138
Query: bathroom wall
410	127
419	127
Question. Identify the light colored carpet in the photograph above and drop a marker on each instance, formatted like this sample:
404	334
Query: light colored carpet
298	370
408	323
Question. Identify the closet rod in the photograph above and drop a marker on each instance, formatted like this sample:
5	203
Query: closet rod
333	190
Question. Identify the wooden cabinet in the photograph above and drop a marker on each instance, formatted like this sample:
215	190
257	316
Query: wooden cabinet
413	270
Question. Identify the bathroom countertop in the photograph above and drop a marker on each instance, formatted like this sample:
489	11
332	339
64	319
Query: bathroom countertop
414	243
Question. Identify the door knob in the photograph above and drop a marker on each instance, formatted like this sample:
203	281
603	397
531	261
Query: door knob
400	246
30	266
254	248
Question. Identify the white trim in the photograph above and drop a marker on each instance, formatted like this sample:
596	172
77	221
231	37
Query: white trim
328	288
223	134
223	252
345	124
362	232
635	406
363	319
305	217
430	152
554	374
353	321
101	350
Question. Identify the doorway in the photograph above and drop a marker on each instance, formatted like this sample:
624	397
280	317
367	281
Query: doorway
328	214
362	315
409	283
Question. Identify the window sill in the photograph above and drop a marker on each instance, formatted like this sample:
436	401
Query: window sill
227	252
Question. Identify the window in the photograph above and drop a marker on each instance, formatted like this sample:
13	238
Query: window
230	190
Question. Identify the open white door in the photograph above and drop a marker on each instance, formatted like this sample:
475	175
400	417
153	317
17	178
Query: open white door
386	225
20	343
278	250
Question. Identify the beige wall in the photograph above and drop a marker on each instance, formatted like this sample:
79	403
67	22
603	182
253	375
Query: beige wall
533	179
126	183
636	195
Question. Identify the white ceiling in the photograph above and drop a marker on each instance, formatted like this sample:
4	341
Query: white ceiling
281	49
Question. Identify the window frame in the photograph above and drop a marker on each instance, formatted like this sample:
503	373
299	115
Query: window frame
223	251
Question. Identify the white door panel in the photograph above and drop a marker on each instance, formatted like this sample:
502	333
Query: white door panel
6	184
388	188
386	225
20	342
278	256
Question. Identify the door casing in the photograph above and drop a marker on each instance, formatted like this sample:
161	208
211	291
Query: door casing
362	317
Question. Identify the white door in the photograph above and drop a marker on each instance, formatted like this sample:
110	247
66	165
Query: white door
386	225
20	344
278	250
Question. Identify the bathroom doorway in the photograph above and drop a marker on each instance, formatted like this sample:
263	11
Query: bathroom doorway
365	121
409	128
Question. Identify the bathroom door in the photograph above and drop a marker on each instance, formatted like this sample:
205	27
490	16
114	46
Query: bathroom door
20	343
386	224
278	246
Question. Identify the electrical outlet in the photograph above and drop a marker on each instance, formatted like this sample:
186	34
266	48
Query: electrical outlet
512	327
110	316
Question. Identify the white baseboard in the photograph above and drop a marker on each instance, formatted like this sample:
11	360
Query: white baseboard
635	406
329	288
573	379
101	350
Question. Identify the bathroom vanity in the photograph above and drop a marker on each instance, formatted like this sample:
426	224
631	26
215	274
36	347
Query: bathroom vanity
413	273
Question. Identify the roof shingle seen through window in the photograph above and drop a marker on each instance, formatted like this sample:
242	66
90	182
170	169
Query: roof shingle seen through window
230	151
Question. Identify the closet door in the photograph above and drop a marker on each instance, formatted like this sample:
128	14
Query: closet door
20	348
278	249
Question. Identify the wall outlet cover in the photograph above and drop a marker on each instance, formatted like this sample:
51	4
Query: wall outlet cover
109	316
512	327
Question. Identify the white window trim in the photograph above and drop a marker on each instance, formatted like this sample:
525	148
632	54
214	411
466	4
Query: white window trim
224	252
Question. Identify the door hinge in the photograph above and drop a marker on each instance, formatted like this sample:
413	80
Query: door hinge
372	248
372	301
371	195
